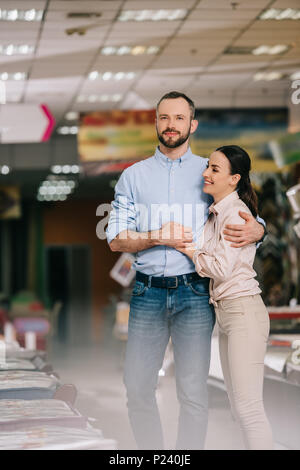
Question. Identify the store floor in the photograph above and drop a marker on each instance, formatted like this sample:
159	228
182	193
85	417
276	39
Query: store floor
97	373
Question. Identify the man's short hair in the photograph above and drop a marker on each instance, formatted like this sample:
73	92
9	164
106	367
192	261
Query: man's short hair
176	94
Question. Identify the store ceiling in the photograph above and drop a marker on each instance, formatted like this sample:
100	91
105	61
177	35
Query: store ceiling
191	54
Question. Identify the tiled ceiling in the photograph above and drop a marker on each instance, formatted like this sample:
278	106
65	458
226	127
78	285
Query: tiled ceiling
191	57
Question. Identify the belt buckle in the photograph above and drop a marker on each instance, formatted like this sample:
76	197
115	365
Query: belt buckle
174	287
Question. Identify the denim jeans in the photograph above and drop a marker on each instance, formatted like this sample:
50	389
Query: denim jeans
156	314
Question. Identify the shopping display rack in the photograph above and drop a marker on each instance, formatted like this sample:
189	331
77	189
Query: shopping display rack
50	437
37	364
17	414
37	411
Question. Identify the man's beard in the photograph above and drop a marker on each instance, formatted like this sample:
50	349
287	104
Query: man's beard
169	142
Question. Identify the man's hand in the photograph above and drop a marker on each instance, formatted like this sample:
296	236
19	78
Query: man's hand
241	235
188	250
175	235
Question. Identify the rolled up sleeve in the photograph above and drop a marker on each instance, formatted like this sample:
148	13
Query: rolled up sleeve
123	215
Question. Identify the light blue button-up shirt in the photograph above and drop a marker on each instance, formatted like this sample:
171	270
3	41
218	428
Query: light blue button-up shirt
153	192
156	191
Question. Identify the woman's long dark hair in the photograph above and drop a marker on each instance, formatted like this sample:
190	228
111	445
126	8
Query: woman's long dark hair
240	163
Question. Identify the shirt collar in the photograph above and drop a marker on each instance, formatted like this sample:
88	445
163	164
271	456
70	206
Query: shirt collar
226	201
164	160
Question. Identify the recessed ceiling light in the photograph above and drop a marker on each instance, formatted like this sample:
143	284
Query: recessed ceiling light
295	76
267	76
72	115
16	49
100	98
126	50
21	15
66	130
109	50
123	50
4	170
93	75
153	15
271	50
137	50
106	75
109	75
280	14
13	76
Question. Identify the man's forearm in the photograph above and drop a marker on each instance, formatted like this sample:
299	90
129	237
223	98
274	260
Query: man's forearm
131	242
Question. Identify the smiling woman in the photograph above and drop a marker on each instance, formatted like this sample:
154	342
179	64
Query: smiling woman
234	292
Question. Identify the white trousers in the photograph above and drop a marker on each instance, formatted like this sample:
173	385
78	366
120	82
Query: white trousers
243	333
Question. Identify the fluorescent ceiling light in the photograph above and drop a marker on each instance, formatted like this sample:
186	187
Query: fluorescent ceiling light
100	98
295	76
54	188
13	49
271	50
72	115
4	170
58	169
109	75
153	15
125	50
21	15
13	76
93	75
280	14
267	76
66	130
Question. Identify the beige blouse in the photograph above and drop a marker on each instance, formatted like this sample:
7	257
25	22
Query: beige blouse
230	269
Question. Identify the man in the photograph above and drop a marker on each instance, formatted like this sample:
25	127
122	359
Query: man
160	206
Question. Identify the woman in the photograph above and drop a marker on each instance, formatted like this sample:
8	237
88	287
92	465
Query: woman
242	317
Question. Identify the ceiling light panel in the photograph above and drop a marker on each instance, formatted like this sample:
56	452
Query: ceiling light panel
129	50
16	76
21	15
153	15
100	98
16	49
267	76
280	14
94	75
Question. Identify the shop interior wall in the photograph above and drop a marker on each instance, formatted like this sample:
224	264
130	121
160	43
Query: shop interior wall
74	223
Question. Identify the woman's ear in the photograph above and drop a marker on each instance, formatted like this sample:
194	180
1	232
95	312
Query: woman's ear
235	179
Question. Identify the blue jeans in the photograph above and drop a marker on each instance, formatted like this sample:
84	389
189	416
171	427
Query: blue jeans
156	314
